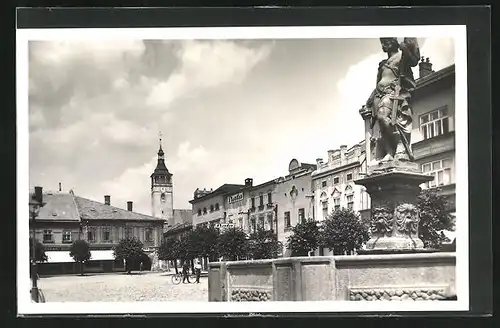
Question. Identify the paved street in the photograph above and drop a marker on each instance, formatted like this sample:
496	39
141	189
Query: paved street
120	287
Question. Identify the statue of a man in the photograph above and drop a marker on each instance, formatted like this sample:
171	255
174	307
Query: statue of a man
389	102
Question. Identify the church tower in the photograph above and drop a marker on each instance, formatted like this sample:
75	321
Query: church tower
162	200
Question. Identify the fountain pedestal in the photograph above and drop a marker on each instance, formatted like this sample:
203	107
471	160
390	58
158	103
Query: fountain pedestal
394	187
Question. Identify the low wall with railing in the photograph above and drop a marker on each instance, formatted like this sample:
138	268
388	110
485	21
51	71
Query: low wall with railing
422	276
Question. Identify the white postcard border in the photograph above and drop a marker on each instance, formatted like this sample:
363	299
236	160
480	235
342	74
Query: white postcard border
458	32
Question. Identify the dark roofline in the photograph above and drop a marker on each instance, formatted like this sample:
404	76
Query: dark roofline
435	76
151	218
222	190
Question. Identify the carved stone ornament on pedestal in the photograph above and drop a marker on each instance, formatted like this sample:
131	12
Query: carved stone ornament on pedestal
394	217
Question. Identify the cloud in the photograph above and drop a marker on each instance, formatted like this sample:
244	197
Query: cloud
441	52
206	64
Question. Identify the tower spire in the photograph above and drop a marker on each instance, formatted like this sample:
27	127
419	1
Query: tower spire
160	151
159	136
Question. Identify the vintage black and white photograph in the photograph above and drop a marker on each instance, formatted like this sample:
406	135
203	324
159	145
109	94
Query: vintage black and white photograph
215	171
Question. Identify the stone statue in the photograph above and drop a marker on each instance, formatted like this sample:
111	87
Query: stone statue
389	102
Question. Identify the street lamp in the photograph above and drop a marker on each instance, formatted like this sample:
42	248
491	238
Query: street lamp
35	203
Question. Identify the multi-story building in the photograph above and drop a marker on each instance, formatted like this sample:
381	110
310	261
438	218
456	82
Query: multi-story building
236	206
65	218
261	207
294	201
333	181
433	134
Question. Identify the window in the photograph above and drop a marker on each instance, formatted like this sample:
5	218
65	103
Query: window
301	215
270	221
253	202
323	184
106	234
261	200
211	208
261	222
440	170
204	210
336	204
324	205
349	176
336	180
434	123
217	206
149	234
66	237
129	232
47	236
269	198
240	223
287	220
253	225
199	211
350	202
91	237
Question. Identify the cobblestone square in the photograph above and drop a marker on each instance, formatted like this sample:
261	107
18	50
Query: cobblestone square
121	287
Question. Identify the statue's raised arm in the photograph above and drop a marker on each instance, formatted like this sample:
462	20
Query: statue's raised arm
410	51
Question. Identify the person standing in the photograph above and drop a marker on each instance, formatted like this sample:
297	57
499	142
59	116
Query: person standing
197	268
185	272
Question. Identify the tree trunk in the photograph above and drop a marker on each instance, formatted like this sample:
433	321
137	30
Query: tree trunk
192	266
175	266
81	268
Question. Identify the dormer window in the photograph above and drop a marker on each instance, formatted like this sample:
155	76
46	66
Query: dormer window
199	211
211	208
217	206
204	210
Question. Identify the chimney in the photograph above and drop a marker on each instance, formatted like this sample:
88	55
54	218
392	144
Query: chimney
343	150
330	155
424	67
319	161
129	206
248	182
38	195
107	200
60	188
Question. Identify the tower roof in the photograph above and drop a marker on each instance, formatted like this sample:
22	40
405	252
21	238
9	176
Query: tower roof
161	168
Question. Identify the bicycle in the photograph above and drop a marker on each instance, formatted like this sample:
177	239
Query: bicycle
177	278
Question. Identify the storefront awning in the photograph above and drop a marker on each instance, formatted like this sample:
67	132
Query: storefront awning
63	256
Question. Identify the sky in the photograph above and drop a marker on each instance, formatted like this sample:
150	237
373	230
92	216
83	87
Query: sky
227	110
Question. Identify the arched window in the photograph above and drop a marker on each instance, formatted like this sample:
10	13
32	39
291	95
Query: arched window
211	208
204	210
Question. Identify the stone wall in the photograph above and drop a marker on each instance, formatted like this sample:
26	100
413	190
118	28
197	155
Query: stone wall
423	276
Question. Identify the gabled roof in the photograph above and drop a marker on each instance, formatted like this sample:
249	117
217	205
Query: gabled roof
224	189
92	210
58	207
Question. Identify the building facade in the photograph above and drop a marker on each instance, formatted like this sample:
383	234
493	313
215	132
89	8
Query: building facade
261	208
294	200
433	133
65	218
333	181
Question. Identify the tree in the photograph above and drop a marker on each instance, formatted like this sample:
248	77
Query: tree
434	211
305	238
169	251
263	244
204	241
80	252
40	255
130	250
343	231
232	244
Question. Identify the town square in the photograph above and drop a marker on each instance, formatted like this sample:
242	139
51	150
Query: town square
243	170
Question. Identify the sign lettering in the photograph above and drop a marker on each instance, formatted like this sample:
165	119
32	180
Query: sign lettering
235	198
